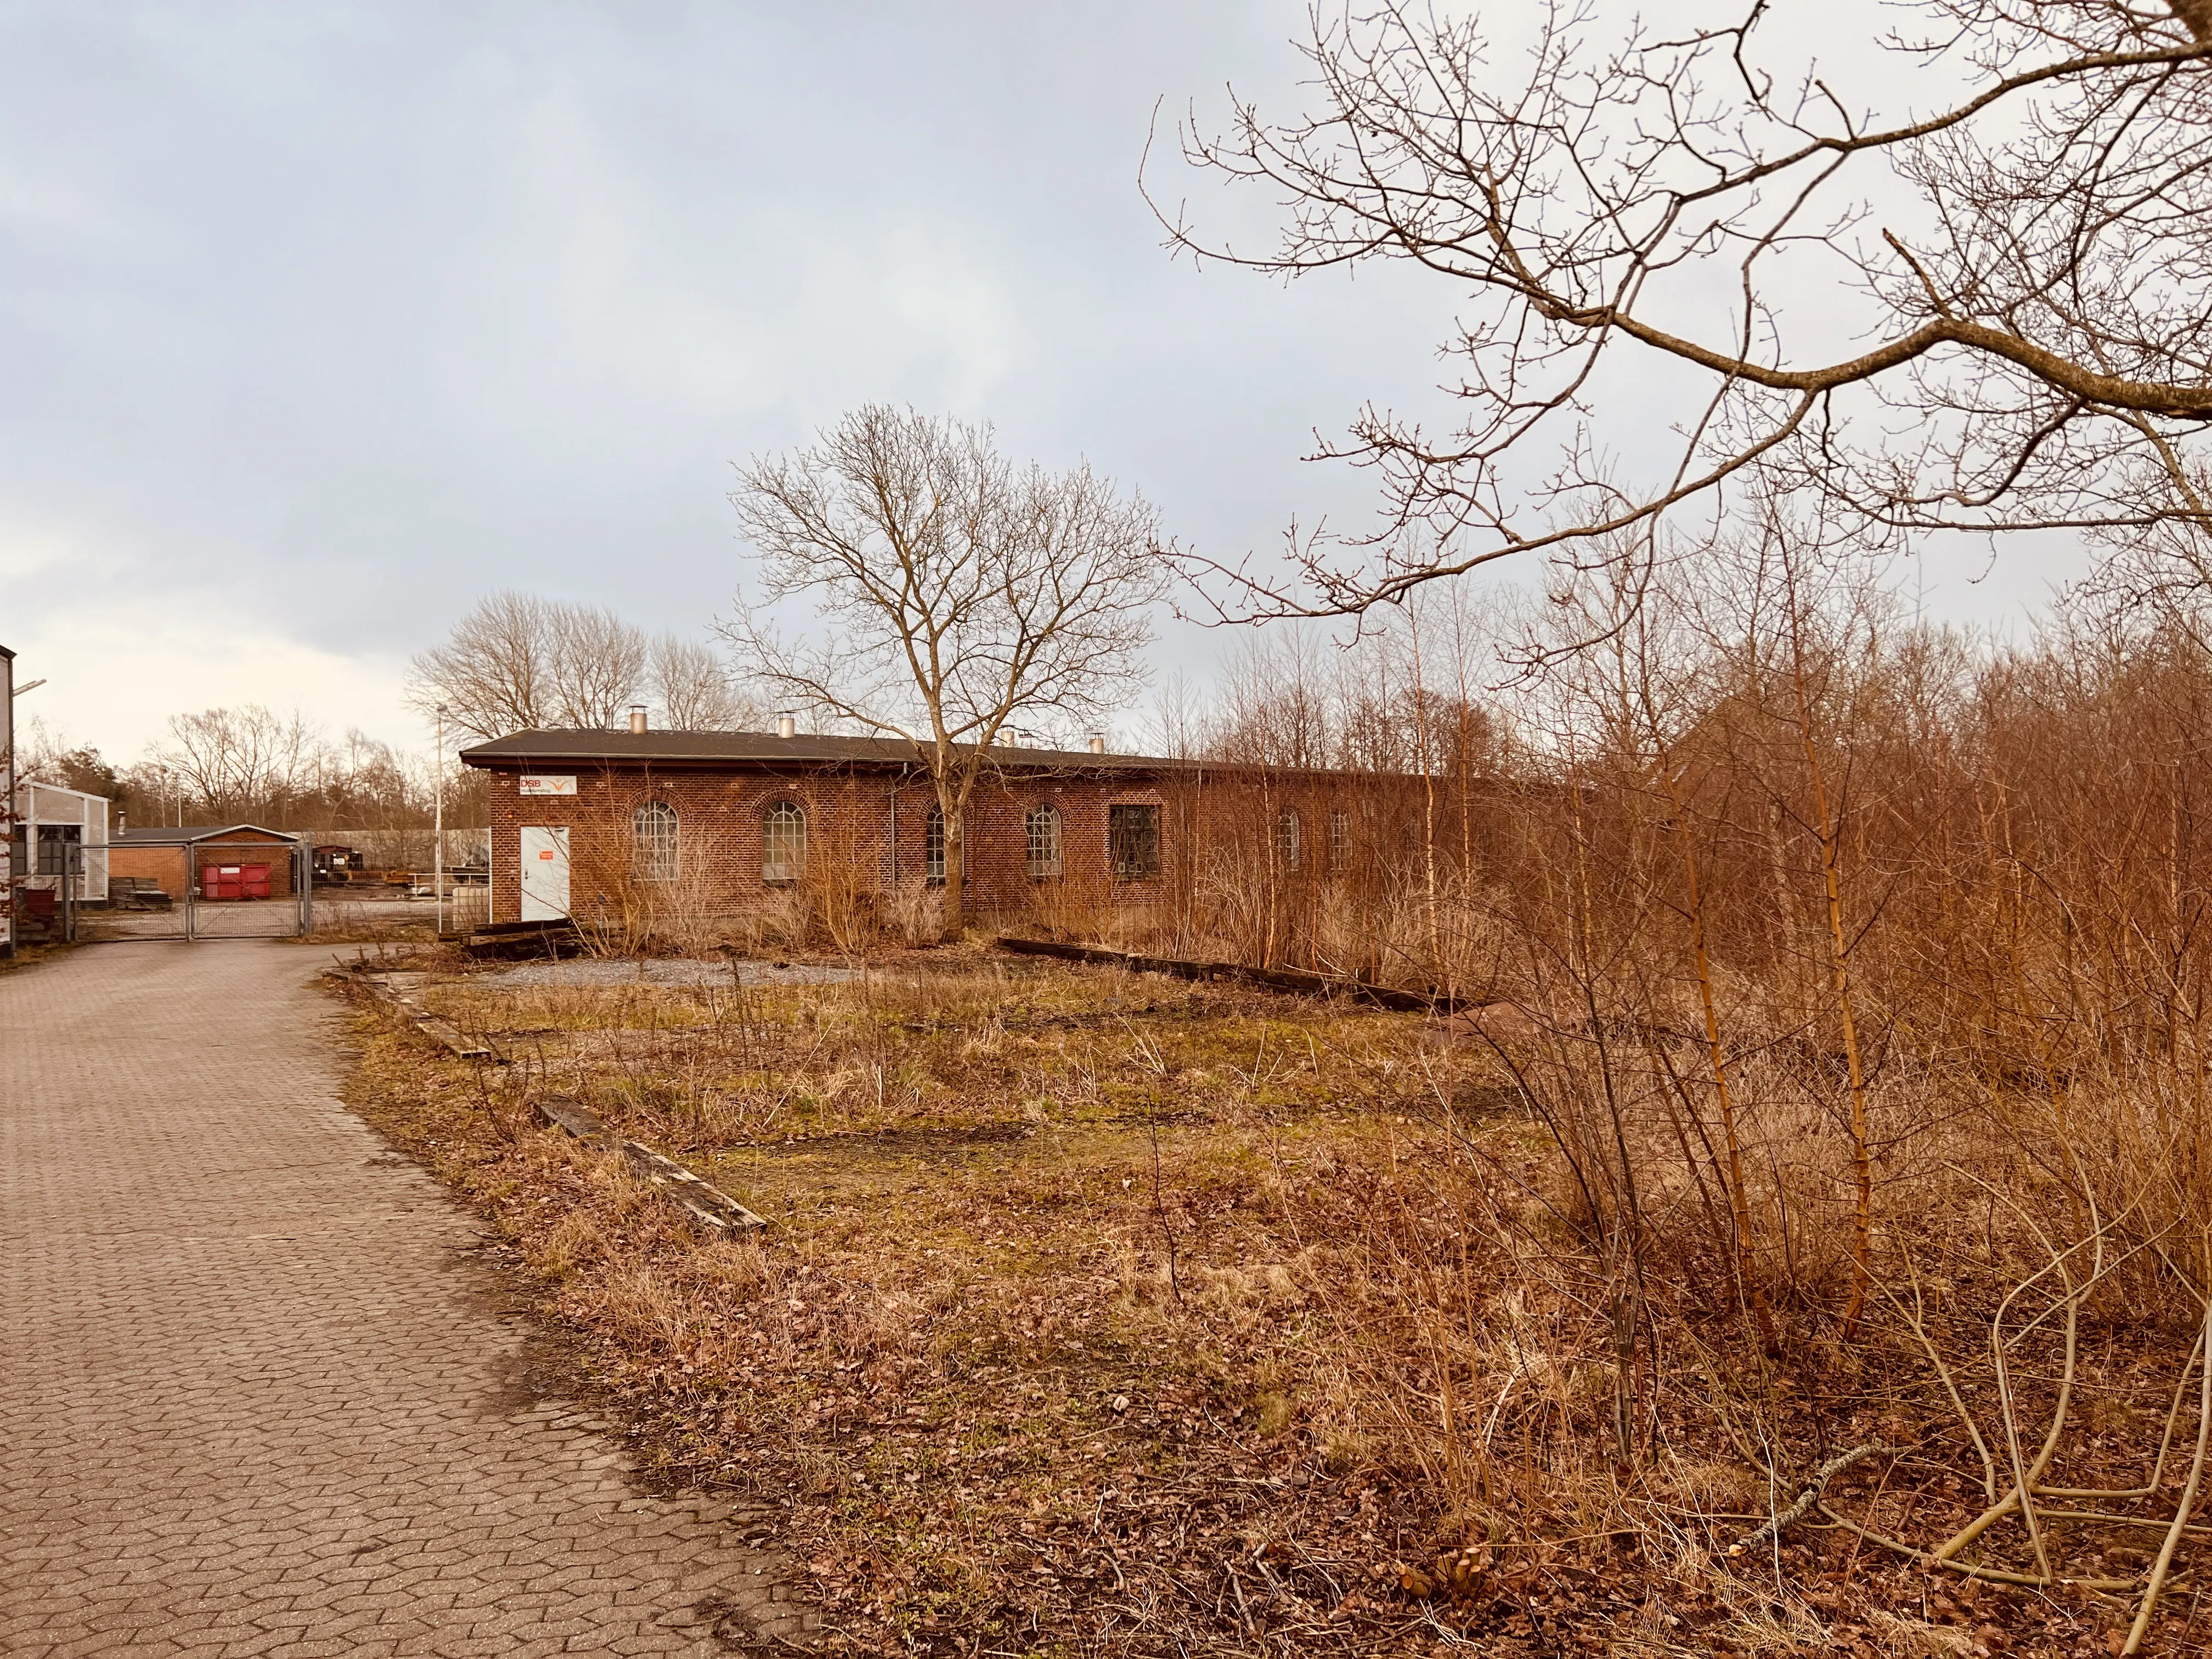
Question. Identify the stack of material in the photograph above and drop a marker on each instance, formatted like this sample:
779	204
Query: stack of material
525	941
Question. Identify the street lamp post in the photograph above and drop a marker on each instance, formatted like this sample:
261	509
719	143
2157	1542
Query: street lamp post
438	857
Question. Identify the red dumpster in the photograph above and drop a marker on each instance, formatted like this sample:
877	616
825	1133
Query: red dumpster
234	881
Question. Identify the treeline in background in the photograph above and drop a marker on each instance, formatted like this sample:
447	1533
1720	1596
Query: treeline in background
515	661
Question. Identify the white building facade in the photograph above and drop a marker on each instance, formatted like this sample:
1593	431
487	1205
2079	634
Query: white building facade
60	835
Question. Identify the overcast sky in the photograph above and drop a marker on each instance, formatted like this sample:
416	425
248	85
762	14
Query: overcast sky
318	320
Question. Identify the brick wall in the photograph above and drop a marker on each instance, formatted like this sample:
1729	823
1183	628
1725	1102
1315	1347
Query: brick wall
865	830
1224	872
162	866
165	865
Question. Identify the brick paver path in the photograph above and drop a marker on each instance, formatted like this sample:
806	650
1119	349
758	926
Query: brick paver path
255	1395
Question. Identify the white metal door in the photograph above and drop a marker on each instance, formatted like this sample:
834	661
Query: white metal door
545	872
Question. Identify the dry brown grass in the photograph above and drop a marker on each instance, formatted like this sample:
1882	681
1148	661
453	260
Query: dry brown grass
1861	974
1856	1102
1105	1314
342	921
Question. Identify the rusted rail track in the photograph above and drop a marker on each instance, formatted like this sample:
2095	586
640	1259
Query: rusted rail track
1274	979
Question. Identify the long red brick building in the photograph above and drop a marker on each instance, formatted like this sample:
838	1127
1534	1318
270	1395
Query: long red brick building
593	823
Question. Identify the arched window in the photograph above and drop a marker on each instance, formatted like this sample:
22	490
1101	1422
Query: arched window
783	842
933	847
652	842
1339	841
1133	838
1286	841
1043	827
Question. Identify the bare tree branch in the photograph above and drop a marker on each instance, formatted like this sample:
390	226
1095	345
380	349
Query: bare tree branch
2040	309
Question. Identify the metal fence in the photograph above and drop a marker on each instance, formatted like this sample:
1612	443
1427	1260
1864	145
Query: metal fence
229	889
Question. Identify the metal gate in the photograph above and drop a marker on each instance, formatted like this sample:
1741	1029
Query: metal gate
228	889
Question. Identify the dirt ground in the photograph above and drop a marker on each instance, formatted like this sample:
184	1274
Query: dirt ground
1097	1315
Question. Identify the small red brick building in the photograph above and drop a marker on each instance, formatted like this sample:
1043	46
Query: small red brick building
589	823
225	861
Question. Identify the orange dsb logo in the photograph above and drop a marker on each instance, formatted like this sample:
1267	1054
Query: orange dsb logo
547	854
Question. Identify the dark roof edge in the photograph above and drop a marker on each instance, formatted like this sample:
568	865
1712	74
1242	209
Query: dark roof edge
755	748
188	835
811	763
1122	765
675	751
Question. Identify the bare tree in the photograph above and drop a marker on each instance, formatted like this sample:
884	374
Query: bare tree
1992	316
956	594
227	765
234	763
495	671
598	665
694	687
517	662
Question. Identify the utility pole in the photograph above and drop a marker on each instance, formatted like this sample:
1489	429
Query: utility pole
7	803
438	857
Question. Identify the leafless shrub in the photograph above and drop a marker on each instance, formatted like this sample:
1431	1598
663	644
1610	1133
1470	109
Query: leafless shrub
1857	989
913	912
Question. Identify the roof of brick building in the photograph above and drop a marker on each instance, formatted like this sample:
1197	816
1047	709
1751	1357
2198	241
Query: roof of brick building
712	748
177	834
